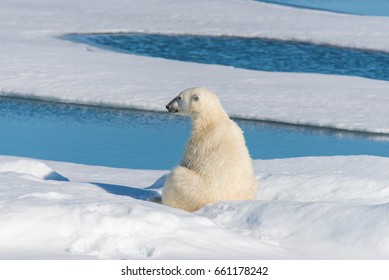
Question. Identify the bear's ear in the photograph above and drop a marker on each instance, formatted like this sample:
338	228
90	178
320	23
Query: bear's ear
195	97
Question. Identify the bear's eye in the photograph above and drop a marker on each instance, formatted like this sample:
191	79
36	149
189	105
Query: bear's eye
179	97
195	98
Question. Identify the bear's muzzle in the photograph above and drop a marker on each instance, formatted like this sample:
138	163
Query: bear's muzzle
172	106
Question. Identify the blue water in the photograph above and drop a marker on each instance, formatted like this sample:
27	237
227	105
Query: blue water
150	140
359	7
248	53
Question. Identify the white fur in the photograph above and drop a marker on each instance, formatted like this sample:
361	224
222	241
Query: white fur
216	164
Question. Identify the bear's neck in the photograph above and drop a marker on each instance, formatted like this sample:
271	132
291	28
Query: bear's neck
204	121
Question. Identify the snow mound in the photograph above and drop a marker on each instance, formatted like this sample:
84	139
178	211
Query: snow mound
320	230
33	168
146	230
307	208
361	179
86	221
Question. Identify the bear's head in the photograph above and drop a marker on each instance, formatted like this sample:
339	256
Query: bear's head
195	101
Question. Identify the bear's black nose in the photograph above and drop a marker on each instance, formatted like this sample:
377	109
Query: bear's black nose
168	106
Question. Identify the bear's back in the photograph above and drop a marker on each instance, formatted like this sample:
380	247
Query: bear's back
220	155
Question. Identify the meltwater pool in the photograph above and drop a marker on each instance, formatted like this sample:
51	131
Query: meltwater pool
247	53
150	140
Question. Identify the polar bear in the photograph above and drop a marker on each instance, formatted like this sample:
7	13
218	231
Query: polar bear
216	164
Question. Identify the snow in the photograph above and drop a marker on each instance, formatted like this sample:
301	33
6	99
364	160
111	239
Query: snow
31	167
43	218
307	208
37	63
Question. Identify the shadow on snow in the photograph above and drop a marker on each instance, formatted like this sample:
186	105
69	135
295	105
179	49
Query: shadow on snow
149	194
